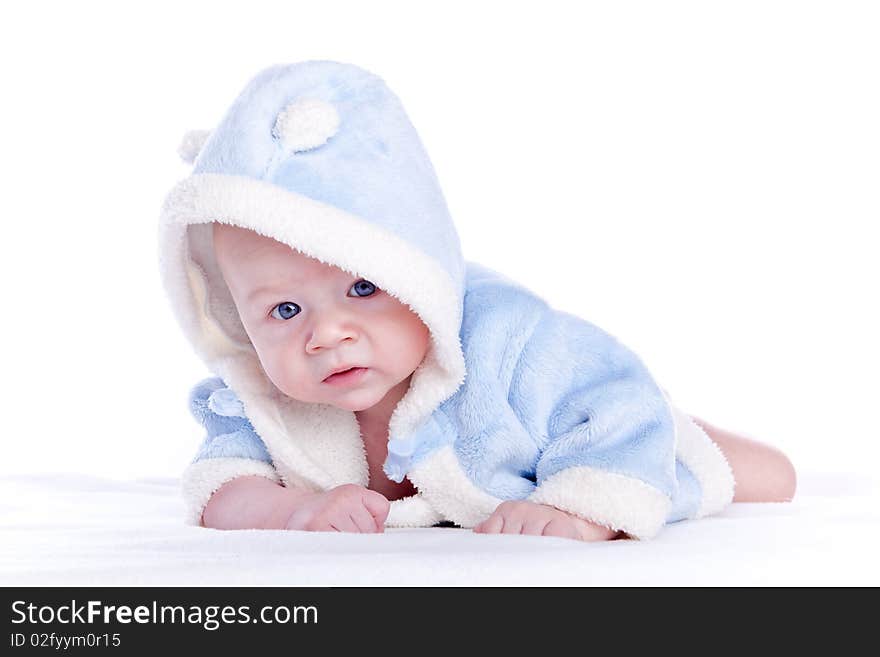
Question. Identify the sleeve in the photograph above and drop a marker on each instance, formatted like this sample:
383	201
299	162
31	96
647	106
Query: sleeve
608	451
231	448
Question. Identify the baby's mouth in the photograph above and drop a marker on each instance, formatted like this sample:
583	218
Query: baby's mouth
345	375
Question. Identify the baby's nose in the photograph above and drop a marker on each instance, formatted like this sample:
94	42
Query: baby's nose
329	334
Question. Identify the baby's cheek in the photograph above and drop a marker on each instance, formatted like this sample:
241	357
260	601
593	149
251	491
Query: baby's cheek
293	387
282	375
410	339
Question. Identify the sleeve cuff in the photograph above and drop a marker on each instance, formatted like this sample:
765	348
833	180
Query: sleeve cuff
699	454
612	500
202	479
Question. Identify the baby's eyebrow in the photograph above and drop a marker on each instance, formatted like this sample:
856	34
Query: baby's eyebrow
271	289
257	292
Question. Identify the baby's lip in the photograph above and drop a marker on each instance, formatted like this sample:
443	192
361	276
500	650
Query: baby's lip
339	369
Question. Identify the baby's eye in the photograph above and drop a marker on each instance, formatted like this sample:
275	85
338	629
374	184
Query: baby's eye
364	288
285	310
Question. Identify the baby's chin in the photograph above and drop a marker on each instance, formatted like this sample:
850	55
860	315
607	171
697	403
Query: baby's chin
354	408
356	400
353	400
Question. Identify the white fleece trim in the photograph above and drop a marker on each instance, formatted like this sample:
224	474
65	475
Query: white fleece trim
412	511
314	445
699	454
202	479
441	479
606	498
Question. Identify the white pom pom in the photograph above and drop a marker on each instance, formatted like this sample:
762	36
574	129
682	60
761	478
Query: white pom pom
191	144
306	123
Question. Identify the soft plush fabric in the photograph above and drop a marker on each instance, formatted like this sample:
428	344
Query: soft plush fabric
515	400
61	529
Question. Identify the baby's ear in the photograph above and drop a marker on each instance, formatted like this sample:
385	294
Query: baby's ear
191	145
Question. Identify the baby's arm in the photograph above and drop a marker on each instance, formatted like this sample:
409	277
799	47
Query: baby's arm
254	502
250	502
762	474
232	483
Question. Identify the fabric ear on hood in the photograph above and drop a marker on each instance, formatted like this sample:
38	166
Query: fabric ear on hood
320	156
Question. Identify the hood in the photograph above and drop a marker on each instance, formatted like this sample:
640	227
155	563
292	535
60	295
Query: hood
320	156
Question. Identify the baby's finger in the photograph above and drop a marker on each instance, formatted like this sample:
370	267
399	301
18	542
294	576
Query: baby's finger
378	507
560	527
363	520
534	523
588	531
491	525
513	523
342	522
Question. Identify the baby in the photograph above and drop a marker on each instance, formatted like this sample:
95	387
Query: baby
369	377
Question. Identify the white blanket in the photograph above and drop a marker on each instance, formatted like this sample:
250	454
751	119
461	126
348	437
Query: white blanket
83	530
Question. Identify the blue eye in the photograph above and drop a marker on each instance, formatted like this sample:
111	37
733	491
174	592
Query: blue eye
364	288
285	310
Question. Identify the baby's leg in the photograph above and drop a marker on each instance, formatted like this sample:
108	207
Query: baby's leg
762	473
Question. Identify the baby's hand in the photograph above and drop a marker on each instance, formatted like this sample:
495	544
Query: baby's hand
522	517
346	508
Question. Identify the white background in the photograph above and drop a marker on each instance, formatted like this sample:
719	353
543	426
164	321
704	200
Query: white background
700	179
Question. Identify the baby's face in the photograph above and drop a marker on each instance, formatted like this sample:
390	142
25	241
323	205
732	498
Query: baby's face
306	318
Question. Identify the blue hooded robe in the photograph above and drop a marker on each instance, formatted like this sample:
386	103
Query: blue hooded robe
514	399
